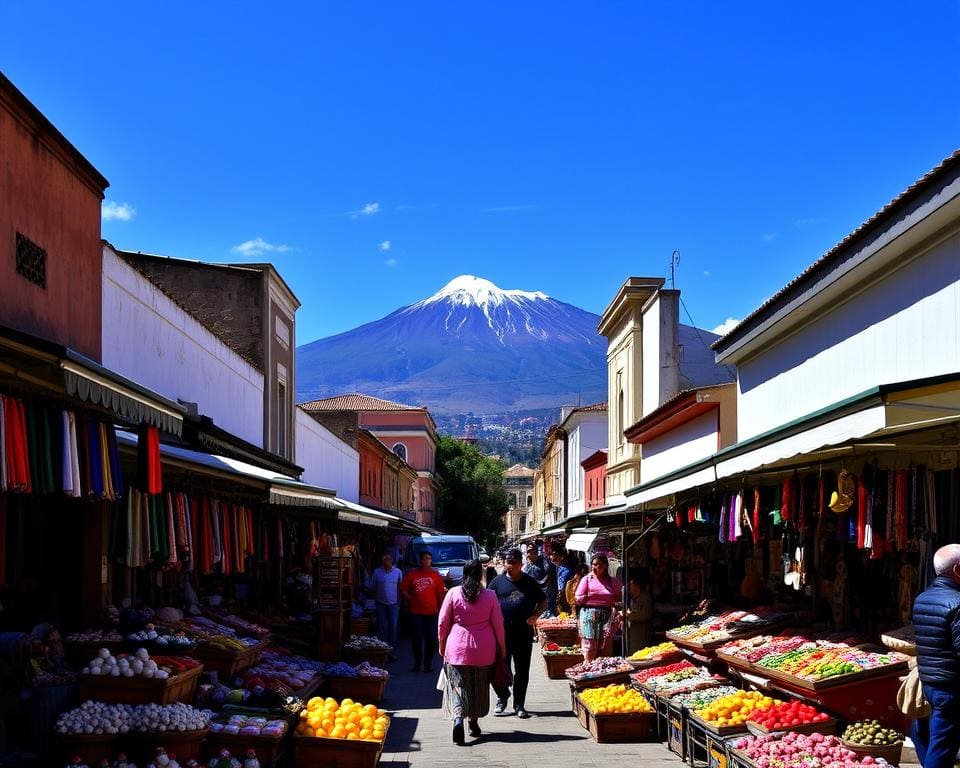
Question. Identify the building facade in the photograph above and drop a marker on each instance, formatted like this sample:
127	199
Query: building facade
49	230
595	480
585	432
519	483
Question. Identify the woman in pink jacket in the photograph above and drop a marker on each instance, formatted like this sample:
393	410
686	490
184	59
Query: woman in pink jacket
470	634
598	594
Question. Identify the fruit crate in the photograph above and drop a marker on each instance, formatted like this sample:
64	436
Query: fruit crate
368	690
826	727
635	727
269	749
558	663
889	752
91	749
592	682
676	729
375	656
709	744
228	662
337	753
140	690
564	636
739	760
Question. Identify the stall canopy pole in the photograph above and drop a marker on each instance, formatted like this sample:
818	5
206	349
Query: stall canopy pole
624	636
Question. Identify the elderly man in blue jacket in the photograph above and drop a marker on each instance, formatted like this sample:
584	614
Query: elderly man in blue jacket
936	619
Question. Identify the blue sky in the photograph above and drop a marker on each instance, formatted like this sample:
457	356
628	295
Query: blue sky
375	150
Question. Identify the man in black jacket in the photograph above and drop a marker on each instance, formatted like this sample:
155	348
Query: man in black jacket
521	602
936	619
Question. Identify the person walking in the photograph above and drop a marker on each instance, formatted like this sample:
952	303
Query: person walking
521	602
598	593
384	585
470	633
562	574
425	591
936	620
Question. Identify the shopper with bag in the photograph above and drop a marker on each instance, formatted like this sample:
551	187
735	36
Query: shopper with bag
471	637
598	593
936	620
425	591
521	602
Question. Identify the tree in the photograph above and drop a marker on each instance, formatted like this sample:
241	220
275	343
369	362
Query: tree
472	497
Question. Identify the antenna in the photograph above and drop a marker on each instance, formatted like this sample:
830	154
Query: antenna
674	260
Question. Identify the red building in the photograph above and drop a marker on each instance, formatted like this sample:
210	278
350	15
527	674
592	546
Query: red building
50	252
595	480
407	431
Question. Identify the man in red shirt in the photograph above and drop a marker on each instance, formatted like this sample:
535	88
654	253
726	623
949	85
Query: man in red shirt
424	590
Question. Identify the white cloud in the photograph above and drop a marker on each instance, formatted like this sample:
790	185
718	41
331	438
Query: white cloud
368	210
509	208
258	247
706	273
391	262
385	246
726	326
769	237
117	211
805	222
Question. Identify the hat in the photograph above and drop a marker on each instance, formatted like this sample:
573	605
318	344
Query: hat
513	554
842	499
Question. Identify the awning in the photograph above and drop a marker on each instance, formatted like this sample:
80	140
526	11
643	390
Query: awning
580	541
886	413
357	513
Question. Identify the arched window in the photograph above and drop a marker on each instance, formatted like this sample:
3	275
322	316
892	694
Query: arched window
401	450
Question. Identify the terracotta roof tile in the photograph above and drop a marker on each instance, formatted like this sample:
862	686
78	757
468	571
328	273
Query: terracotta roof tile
356	401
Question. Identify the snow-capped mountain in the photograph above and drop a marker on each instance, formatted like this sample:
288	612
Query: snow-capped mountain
471	346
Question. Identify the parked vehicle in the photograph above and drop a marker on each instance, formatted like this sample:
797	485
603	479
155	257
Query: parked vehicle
450	554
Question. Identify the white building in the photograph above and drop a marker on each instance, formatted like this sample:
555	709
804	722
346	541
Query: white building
585	432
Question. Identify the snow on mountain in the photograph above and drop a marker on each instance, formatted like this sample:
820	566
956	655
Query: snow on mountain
471	346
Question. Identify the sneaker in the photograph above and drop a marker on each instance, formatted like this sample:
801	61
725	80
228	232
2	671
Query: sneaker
501	705
521	713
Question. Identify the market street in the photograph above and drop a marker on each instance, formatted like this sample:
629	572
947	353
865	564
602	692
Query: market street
420	738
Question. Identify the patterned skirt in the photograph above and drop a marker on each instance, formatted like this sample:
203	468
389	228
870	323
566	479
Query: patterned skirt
466	692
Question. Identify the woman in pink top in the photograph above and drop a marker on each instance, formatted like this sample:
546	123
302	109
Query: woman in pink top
598	593
470	632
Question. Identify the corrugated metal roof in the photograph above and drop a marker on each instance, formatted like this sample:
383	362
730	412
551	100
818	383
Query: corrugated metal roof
355	401
900	201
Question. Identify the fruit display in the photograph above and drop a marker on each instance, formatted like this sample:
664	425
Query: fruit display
674	679
138	664
820	663
563	621
238	624
243	725
95	636
654	652
366	643
614	700
94	717
226	760
164	759
665	671
364	669
784	715
214	635
554	649
722	627
753	649
120	762
797	750
734	709
346	719
700	698
605	665
870	733
280	673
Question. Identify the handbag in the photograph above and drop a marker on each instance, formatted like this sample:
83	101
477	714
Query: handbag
910	698
502	676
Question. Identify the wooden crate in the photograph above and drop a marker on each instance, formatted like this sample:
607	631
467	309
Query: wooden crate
139	690
558	663
226	662
568	636
142	747
677	730
376	656
313	752
91	749
361	626
367	690
269	750
891	753
622	729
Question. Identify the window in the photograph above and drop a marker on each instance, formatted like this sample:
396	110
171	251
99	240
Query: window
620	414
401	450
513	499
282	418
529	500
523	523
31	261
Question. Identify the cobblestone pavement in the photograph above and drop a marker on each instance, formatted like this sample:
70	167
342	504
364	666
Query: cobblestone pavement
420	738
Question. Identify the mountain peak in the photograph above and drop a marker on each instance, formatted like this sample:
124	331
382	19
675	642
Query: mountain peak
468	290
